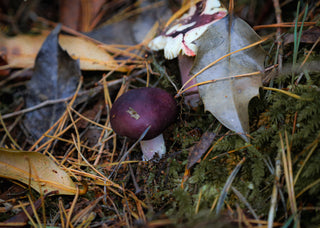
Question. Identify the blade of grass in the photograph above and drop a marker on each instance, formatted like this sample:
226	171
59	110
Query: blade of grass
297	36
198	202
290	172
288	175
245	202
304	163
308	187
274	196
227	186
214	203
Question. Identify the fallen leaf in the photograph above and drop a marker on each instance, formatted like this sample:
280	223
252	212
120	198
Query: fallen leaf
309	36
128	29
36	169
55	76
91	55
21	51
200	148
228	99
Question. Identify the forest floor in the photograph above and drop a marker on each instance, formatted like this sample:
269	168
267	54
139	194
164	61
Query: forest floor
61	161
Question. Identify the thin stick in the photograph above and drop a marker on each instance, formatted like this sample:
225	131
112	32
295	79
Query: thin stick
34	211
221	79
55	101
283	25
288	93
181	11
91	121
278	34
309	52
72	208
8	133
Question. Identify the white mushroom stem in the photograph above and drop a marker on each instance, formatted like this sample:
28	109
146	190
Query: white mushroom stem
153	146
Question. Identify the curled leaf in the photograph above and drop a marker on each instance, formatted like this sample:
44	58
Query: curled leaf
36	169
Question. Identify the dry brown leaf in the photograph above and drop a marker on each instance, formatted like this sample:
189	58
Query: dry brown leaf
36	169
200	148
22	50
309	36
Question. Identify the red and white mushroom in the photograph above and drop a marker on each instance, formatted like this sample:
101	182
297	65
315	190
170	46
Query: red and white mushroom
177	40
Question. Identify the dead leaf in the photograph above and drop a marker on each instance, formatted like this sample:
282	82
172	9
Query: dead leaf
200	148
130	29
228	99
309	36
21	51
91	55
43	174
55	76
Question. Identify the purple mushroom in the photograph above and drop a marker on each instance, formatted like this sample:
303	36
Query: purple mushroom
136	110
177	40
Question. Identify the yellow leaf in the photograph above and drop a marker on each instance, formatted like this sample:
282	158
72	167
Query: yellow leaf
43	174
21	51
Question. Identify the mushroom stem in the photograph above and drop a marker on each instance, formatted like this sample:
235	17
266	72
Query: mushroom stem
192	97
153	146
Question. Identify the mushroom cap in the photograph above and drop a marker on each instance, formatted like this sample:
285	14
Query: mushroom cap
137	109
179	37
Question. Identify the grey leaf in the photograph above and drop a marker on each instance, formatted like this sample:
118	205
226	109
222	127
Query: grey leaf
228	99
55	76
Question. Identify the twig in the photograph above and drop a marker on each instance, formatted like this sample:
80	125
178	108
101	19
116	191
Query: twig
8	133
138	189
55	101
278	34
288	93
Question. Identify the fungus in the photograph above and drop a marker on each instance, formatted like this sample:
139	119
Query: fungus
136	110
177	40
